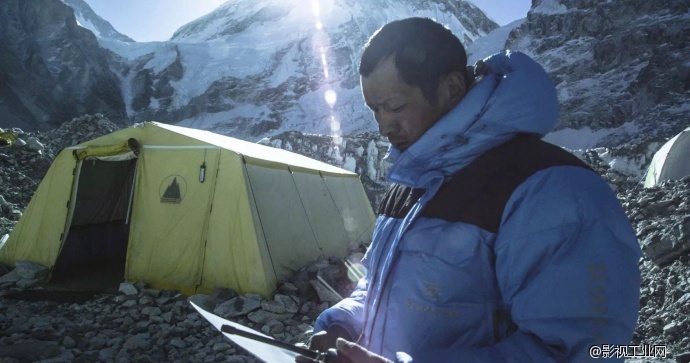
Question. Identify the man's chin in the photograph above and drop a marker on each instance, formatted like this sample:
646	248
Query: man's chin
402	147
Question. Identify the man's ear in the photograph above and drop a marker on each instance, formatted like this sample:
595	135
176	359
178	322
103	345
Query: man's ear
453	89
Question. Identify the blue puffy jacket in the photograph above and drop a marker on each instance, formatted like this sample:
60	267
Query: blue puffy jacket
559	274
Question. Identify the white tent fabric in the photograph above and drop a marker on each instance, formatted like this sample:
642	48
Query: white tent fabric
671	162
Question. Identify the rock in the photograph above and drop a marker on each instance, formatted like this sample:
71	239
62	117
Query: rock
288	288
325	294
154	293
671	328
291	303
33	144
221	347
237	307
128	288
15	214
68	342
254	296
203	301
683	299
151	311
222	294
96	343
29	352
140	285
238	359
683	357
178	343
30	270
27	283
306	307
138	341
107	354
273	327
273	306
263	316
11	276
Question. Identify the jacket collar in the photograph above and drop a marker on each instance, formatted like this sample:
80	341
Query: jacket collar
516	96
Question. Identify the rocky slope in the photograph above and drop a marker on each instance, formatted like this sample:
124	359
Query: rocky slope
620	68
159	325
139	324
22	167
631	51
51	69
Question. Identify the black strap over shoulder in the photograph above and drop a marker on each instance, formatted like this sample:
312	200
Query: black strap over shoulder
478	193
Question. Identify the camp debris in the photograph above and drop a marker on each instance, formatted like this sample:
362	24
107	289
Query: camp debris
9	137
188	210
671	162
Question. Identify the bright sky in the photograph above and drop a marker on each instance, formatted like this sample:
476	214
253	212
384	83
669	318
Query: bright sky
153	20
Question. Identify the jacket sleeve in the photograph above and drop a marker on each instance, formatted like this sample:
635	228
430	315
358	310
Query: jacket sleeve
349	313
567	268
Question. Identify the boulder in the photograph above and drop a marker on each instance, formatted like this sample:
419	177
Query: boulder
128	288
31	270
237	307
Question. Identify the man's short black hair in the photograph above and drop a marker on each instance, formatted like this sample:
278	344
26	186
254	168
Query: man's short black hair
425	52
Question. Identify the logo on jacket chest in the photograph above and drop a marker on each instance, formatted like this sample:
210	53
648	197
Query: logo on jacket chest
431	292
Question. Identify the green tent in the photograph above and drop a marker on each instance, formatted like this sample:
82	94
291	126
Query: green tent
190	210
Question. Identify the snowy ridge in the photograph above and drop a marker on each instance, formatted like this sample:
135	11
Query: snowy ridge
88	19
491	43
255	67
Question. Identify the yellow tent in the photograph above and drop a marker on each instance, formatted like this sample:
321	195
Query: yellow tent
189	210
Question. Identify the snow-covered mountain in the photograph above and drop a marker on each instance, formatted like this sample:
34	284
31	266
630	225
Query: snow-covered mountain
248	69
87	18
253	68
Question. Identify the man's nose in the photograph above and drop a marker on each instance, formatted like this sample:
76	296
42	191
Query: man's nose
387	124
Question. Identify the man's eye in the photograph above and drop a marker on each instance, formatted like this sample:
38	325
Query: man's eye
399	108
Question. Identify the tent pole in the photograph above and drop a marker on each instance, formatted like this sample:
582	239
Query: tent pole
131	192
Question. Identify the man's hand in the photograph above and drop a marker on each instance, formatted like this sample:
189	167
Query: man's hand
324	340
352	353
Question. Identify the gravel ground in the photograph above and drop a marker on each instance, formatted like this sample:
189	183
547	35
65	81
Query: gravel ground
145	325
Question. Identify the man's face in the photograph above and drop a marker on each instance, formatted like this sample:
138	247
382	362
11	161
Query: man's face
401	111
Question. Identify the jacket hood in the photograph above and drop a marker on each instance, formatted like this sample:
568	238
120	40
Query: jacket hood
514	95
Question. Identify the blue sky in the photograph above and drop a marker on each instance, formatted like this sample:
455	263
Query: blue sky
151	20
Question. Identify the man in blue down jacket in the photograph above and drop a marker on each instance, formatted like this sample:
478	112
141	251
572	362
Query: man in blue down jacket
491	245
